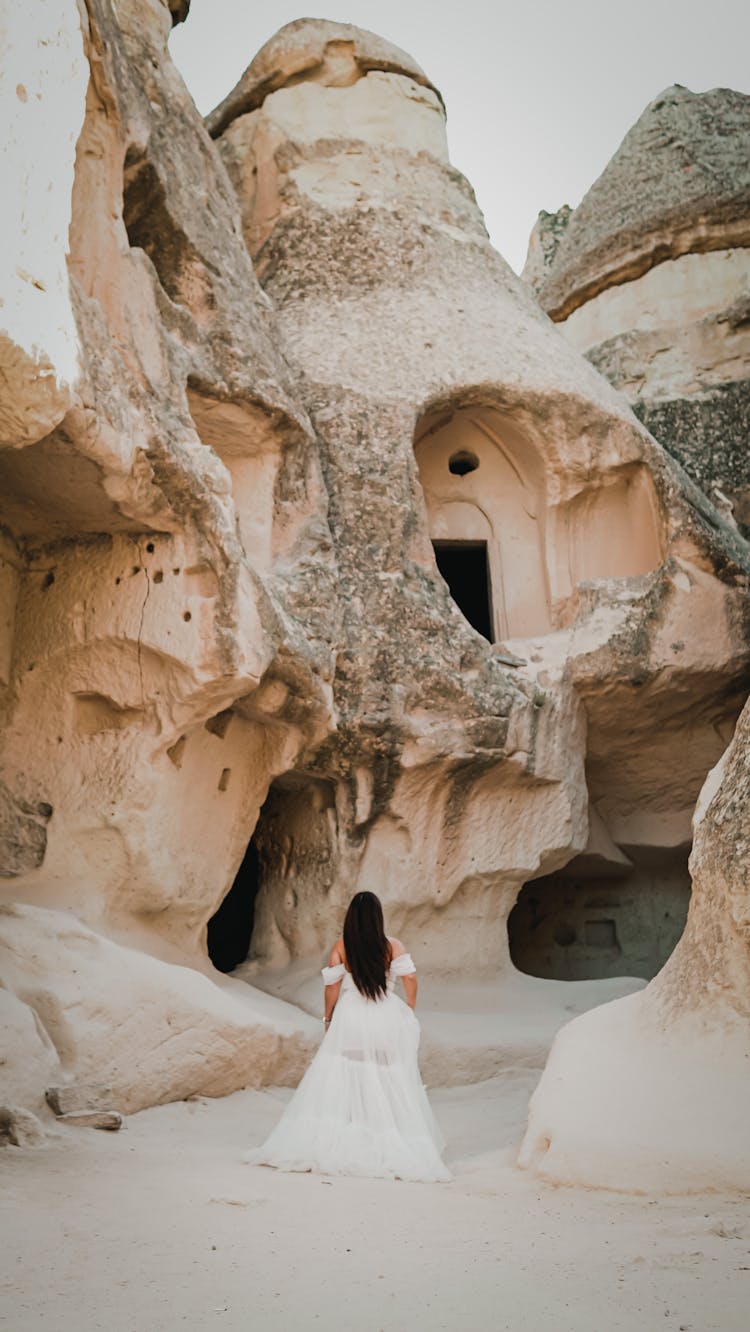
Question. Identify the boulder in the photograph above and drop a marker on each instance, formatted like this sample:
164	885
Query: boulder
78	1097
20	1127
28	1058
150	1030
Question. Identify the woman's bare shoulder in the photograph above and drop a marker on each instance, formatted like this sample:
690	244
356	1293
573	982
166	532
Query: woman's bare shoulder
397	948
337	953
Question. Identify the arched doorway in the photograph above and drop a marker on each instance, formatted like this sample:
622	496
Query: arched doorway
484	487
465	567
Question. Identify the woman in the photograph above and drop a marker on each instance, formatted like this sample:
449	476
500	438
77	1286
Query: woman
361	1108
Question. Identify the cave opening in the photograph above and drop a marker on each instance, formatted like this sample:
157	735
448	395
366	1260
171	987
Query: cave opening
230	928
588	922
285	876
464	566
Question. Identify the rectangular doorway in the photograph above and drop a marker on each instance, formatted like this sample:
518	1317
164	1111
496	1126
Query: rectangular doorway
464	566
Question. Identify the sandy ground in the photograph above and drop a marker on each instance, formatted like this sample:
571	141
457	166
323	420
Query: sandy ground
159	1227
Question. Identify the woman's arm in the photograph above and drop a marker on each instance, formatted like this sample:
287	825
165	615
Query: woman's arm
410	989
410	981
331	992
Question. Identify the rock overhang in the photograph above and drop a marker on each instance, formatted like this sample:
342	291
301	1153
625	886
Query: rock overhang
319	50
679	183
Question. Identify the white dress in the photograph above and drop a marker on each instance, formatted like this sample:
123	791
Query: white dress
361	1107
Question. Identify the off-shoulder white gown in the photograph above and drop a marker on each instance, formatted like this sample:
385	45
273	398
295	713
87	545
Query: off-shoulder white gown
361	1107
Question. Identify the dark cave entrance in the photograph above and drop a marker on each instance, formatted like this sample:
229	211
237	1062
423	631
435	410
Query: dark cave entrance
588	922
285	876
464	566
230	928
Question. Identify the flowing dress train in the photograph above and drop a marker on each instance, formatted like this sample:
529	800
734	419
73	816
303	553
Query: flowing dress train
361	1107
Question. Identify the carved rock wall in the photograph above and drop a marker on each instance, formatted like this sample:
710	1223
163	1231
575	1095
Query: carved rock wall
221	610
414	343
144	392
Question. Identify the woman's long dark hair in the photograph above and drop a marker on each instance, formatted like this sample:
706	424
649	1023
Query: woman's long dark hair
368	951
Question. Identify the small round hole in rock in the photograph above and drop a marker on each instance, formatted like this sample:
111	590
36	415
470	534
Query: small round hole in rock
463	462
150	547
48	579
187	616
159	576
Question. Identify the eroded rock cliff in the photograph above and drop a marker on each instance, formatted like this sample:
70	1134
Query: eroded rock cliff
327	563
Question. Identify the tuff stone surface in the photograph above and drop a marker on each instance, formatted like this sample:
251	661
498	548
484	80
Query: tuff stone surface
226	639
544	242
678	184
407	330
152	1030
650	278
334	54
78	1096
709	433
653	1091
28	1059
20	1127
109	1120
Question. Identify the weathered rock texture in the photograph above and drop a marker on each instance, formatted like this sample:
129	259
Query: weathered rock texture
652	1092
316	51
414	341
153	1031
650	277
143	390
230	660
20	1127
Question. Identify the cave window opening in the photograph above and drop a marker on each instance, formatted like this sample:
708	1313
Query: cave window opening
463	462
465	568
600	934
230	928
589	921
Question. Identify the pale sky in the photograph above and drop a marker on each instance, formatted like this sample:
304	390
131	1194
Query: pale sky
539	94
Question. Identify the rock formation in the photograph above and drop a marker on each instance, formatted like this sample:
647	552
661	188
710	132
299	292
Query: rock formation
409	330
135	340
650	278
267	397
652	1092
